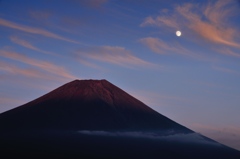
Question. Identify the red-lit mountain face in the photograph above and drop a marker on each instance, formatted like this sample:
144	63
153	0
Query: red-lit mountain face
87	105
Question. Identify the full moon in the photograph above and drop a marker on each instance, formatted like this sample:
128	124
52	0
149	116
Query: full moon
178	33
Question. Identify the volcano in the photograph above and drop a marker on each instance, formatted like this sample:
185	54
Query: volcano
96	119
87	105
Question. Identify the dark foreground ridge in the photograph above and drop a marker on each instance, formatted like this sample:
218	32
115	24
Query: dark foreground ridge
96	119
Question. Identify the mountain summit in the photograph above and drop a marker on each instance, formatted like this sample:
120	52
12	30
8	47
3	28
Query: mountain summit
88	105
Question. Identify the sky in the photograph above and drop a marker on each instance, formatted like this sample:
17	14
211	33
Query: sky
192	79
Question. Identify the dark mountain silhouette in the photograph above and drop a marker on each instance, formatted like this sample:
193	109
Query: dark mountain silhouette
95	119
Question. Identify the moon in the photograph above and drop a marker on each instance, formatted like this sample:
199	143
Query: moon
178	33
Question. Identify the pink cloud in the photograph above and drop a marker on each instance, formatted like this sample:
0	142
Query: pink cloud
209	23
159	46
27	44
33	30
8	103
11	70
45	66
226	70
155	44
229	52
160	21
115	55
90	64
215	28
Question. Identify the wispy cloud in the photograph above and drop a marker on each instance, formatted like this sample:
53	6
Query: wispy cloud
209	23
160	21
159	46
27	44
30	72
13	69
207	84
215	28
226	70
8	100
33	30
8	103
90	64
228	52
114	55
156	45
45	66
91	3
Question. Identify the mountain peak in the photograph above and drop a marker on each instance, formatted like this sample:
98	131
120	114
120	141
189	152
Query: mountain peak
89	81
88	105
86	83
85	90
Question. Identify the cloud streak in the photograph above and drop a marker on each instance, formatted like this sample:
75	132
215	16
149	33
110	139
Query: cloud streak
27	44
114	55
14	70
8	103
33	30
226	70
159	46
212	26
9	100
228	52
215	28
45	66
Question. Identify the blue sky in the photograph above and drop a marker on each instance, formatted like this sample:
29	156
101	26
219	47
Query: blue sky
192	79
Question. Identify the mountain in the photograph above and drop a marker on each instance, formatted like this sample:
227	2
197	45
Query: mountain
96	119
87	105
